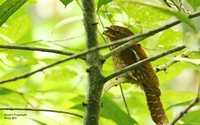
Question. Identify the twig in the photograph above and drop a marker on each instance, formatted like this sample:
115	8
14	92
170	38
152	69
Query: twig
165	1
192	61
124	100
142	62
51	65
135	39
193	103
114	82
55	63
177	7
172	62
185	111
44	110
19	47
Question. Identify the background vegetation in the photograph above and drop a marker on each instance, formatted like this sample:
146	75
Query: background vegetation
60	84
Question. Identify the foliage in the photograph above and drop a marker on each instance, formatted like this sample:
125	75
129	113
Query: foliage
66	2
64	86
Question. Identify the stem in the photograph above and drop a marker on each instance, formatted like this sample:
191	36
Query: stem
95	78
19	47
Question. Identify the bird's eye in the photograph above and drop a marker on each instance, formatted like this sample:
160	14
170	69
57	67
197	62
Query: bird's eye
117	32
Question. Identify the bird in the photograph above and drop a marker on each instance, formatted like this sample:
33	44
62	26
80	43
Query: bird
144	75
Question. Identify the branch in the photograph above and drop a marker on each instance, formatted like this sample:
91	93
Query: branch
165	1
192	104
44	110
192	61
144	61
55	63
43	68
135	39
18	47
172	62
124	100
94	63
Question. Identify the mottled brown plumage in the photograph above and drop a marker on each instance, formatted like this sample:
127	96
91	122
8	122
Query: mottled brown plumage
142	75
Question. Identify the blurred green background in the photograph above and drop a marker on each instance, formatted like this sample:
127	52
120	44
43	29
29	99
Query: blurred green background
50	24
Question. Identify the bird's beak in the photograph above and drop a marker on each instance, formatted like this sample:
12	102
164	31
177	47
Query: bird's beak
106	31
108	28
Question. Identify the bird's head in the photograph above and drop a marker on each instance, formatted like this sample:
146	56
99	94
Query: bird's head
115	32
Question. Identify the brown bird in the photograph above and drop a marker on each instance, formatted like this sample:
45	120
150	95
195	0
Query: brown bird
143	75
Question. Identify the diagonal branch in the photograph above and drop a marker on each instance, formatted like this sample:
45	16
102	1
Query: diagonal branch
43	68
43	110
74	56
144	61
172	62
135	39
192	104
166	2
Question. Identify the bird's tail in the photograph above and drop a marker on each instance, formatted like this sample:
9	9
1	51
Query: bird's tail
155	107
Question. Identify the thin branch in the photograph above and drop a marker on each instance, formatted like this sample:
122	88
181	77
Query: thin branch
165	1
43	68
177	7
172	62
144	61
55	63
43	110
192	104
114	82
19	47
192	61
135	39
124	100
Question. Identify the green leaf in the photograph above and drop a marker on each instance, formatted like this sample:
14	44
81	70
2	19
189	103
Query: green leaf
164	41
8	8
66	2
149	8
39	122
142	15
192	41
4	91
174	98
102	2
112	111
16	27
194	3
192	118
